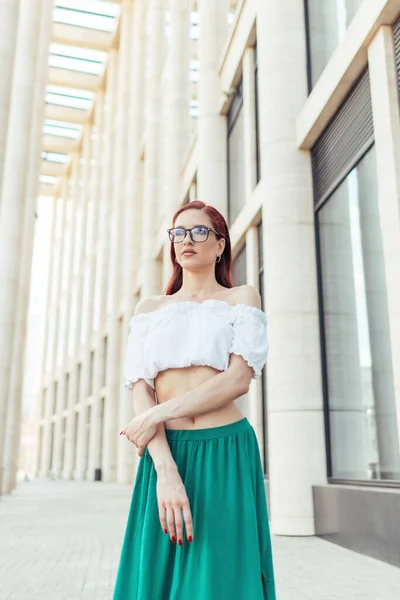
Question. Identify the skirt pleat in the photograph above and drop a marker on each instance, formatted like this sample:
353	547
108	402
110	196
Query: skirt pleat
230	557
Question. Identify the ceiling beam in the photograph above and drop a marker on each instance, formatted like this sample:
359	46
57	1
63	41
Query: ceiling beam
48	189
55	143
53	169
67	114
83	37
74	79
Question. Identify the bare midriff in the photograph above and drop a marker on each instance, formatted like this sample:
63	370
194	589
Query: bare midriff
173	382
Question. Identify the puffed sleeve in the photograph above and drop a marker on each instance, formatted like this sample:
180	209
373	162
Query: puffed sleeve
249	338
134	363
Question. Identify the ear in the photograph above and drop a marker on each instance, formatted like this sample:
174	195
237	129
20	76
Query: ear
221	244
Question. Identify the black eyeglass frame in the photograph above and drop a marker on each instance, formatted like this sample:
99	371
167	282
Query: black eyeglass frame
190	233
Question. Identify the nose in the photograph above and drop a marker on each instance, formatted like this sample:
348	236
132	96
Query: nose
187	233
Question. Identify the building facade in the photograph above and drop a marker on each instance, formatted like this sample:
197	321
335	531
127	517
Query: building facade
283	115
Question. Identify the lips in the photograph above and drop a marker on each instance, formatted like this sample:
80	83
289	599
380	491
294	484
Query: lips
188	252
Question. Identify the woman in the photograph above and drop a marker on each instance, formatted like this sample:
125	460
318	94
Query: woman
198	523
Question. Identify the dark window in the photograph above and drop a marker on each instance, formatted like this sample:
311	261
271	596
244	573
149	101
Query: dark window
236	169
105	361
66	391
54	408
326	25
239	271
91	373
360	407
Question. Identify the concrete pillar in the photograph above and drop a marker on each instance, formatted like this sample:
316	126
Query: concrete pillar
212	167
91	268
385	108
82	445
44	410
8	36
178	114
102	262
80	349
101	294
70	358
295	410
150	266
114	388
13	191
81	173
132	218
60	332
13	430
52	374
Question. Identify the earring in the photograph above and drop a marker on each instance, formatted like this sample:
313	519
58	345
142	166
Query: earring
218	259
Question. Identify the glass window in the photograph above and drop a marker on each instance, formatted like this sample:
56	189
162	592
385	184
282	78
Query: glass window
66	391
239	269
327	25
236	170
362	420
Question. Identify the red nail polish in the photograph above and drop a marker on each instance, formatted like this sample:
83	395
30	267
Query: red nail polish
190	538
180	542
165	530
121	432
173	538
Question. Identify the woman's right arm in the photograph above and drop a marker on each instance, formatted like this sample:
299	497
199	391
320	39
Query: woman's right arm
143	398
171	493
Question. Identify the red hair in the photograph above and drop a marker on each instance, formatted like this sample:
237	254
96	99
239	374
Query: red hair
223	268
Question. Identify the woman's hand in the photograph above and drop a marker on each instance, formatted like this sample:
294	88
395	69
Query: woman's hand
141	430
173	503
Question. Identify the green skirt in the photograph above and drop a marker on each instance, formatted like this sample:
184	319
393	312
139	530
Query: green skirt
230	557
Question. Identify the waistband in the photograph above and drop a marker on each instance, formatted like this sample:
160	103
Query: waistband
209	433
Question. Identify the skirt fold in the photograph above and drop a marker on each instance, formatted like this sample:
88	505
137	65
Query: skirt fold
231	554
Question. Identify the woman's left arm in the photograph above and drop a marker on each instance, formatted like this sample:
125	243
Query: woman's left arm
209	395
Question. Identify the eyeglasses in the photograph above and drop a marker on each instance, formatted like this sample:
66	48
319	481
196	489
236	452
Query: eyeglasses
197	234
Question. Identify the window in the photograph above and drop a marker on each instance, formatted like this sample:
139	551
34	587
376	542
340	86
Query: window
54	407
91	391
327	23
361	418
43	407
105	361
236	170
66	391
239	274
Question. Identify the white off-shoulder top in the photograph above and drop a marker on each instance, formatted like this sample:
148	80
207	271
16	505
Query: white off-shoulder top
188	333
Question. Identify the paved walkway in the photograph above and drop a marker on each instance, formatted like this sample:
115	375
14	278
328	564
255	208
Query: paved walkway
61	541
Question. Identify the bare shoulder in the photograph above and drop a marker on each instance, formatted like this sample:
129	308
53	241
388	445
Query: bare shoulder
146	305
246	294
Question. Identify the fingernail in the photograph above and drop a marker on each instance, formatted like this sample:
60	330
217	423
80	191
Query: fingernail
180	542
190	538
173	538
165	530
121	432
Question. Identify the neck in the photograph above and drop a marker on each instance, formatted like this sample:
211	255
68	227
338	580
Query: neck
198	285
